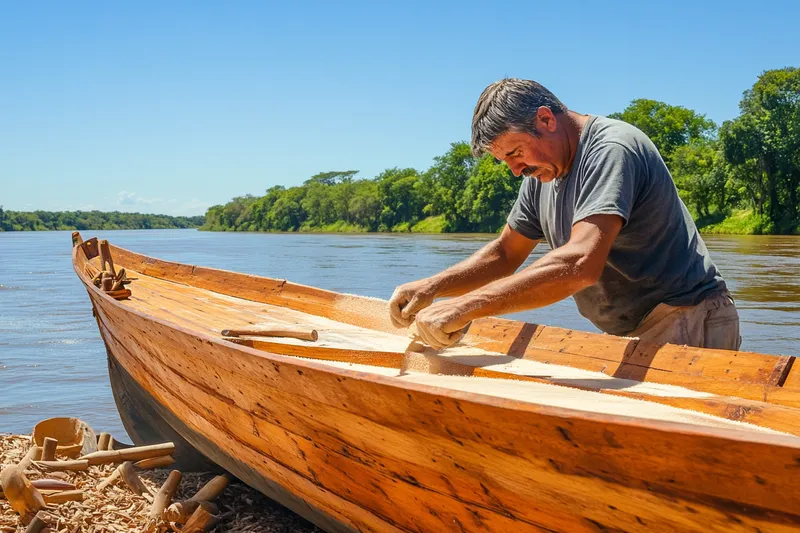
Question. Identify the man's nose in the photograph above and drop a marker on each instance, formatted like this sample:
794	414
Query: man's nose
516	169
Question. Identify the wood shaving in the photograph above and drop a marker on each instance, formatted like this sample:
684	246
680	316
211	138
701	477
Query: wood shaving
118	510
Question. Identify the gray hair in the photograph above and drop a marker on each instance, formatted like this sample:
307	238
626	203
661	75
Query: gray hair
510	104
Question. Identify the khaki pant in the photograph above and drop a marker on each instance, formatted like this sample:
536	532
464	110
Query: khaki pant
713	323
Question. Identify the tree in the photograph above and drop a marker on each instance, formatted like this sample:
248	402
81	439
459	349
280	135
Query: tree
445	182
399	194
668	126
765	140
700	173
489	195
332	177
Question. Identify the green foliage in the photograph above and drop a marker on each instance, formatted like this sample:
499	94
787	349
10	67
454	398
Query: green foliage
764	144
701	176
668	126
91	220
740	222
742	178
489	195
437	224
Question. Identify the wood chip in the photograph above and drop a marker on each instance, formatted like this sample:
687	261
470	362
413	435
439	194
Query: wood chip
118	510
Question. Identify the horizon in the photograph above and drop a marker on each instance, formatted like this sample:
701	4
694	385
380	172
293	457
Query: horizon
169	109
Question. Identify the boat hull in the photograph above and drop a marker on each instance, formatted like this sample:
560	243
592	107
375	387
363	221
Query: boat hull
149	422
358	451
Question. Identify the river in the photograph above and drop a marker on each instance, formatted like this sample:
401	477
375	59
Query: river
52	361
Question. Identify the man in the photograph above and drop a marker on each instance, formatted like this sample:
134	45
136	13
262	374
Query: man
623	243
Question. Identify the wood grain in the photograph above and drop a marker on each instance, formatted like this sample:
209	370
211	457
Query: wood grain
374	453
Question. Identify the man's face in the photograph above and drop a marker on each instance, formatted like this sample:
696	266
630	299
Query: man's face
542	157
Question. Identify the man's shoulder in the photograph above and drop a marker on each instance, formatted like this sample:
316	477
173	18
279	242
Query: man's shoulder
605	133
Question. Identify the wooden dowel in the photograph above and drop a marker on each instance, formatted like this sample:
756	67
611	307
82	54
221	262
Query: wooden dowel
103	441
119	294
180	511
64	496
43	485
211	490
37	525
293	332
78	465
165	493
34	454
105	257
52	484
49	449
202	519
129	454
109	480
132	480
154	462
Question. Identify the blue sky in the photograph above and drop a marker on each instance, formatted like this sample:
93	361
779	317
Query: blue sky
170	107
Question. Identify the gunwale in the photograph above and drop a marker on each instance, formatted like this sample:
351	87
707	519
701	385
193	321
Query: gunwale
783	451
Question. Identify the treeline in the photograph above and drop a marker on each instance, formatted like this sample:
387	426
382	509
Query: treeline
91	220
457	193
741	177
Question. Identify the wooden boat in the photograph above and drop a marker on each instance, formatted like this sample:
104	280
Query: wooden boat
547	429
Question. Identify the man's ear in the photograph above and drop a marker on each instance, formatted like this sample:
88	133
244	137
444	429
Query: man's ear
546	120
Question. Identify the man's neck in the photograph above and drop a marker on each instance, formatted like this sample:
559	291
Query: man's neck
573	128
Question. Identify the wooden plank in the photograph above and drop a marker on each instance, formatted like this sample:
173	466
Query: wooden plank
454	458
190	312
685	462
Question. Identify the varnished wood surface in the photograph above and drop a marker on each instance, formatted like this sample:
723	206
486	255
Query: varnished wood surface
372	453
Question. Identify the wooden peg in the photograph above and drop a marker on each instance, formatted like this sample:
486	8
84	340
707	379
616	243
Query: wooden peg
154	462
103	441
105	258
133	481
49	449
37	525
64	496
120	294
129	454
71	466
202	519
114	476
164	496
180	511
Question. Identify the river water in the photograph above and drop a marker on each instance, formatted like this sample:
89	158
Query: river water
52	361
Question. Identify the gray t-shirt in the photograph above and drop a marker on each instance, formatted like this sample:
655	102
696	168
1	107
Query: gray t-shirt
658	255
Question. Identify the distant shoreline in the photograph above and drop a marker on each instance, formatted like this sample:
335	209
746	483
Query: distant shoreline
14	221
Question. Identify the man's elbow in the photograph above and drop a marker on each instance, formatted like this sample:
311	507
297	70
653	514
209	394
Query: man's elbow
588	270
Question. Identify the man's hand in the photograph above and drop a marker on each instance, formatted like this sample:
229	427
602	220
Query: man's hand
442	324
408	299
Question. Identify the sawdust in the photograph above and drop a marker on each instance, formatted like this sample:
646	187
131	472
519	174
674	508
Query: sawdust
117	509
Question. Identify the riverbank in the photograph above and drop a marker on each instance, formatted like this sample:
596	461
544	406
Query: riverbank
739	222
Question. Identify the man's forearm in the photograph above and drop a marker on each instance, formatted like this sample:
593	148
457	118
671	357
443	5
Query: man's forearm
554	277
484	266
